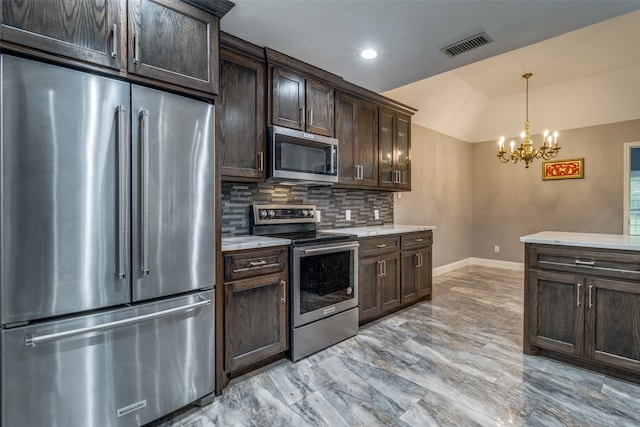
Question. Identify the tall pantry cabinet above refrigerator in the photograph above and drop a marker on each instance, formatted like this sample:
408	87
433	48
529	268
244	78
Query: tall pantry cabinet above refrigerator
108	264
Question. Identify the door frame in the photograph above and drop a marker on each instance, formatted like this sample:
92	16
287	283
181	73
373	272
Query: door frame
626	192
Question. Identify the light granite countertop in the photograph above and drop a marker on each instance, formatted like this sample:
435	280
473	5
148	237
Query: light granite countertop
588	240
237	243
377	230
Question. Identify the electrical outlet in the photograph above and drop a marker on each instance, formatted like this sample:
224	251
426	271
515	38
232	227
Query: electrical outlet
399	195
318	216
376	214
496	248
347	215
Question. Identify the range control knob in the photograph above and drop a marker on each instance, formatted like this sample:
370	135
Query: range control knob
272	213
305	212
263	213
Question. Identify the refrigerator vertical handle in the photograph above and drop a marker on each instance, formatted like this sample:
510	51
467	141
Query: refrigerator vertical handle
144	190
123	196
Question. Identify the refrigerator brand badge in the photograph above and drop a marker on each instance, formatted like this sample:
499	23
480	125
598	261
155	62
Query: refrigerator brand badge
131	408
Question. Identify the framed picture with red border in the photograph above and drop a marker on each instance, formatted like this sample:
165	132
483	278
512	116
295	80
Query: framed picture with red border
563	169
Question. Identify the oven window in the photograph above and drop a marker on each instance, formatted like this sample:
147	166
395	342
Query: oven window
325	280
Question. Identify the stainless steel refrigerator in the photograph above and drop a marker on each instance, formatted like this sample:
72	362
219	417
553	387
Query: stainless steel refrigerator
107	267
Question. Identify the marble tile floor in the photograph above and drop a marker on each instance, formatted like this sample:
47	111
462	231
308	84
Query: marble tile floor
453	361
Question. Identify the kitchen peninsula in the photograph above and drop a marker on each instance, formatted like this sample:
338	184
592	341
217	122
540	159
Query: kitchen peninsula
582	300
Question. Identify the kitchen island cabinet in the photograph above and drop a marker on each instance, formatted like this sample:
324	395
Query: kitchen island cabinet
582	301
255	306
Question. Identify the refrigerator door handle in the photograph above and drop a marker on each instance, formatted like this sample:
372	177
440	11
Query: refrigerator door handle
32	340
121	112
144	190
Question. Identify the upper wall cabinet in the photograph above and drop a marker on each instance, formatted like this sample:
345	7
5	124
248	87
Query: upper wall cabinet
165	40
357	134
174	42
301	103
241	128
394	136
90	31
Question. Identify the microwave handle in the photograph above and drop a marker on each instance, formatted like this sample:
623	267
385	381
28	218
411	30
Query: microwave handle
333	154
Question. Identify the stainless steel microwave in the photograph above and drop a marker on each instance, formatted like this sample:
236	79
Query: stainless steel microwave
301	156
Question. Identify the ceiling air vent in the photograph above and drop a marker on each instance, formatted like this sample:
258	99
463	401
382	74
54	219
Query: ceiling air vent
467	44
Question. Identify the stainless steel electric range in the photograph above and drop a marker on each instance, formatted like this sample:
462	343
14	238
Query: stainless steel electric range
323	275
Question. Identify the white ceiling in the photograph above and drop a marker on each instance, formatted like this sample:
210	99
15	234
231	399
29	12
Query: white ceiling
452	96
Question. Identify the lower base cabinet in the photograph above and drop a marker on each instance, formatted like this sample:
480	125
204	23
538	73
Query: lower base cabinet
573	308
255	306
394	272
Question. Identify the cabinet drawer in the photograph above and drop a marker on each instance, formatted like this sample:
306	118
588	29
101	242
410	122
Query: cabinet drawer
418	239
372	246
243	264
598	262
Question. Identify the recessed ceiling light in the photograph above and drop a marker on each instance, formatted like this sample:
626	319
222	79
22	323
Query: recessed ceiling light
368	54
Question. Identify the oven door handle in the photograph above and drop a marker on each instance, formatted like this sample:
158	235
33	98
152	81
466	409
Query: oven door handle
327	249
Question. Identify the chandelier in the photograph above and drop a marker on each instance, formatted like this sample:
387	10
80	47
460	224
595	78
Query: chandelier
548	150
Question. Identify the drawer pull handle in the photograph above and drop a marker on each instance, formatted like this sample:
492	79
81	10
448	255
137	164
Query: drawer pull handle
418	240
381	245
578	294
257	263
585	263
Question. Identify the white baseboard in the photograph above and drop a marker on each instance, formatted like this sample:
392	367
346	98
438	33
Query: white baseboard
508	265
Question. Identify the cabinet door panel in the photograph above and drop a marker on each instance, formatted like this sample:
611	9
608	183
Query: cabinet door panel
613	322
390	288
410	275
368	295
386	131
174	42
288	99
426	273
255	320
557	312
77	29
367	139
402	151
346	111
241	109
319	108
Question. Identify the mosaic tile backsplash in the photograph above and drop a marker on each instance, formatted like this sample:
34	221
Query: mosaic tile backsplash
331	202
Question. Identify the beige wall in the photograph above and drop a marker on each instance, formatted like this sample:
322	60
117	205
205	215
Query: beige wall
441	193
510	201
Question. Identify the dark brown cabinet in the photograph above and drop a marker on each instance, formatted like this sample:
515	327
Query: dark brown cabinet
89	31
165	40
241	128
301	103
175	42
356	123
394	141
255	306
573	308
379	276
416	266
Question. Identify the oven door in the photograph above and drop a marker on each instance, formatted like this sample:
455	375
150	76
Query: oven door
325	280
